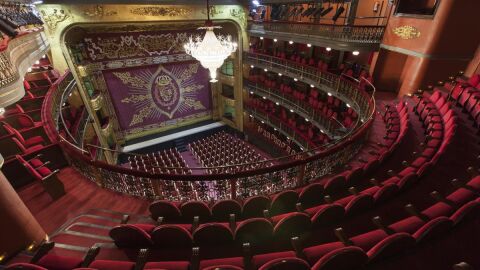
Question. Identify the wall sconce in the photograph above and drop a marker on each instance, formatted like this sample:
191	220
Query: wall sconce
376	6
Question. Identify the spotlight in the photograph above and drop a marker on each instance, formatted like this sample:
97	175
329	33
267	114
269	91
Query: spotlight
306	120
275	129
321	130
355	53
348	105
328	49
251	115
256	3
263	122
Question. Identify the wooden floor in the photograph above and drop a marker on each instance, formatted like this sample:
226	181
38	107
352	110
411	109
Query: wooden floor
81	195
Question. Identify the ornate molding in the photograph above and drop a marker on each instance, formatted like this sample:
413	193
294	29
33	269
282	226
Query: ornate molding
98	11
161	11
407	32
54	18
240	15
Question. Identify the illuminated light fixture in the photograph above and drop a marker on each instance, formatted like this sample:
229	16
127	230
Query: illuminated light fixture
295	79
275	129
252	66
3	256
265	70
290	42
29	69
306	119
251	92
37	62
264	97
321	130
31	246
355	53
309	45
44	56
250	44
328	49
2	111
280	74
348	105
301	148
211	51
70	94
312	86
276	103
38	2
291	110
275	40
261	38
256	3
288	138
362	120
329	94
263	122
251	115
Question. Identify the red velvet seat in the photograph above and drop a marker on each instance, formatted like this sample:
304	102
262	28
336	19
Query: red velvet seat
254	206
469	211
290	263
311	195
195	208
221	210
254	231
172	265
295	224
394	244
168	210
434	228
211	234
30	142
326	215
343	258
112	265
262	259
283	202
130	236
55	262
24	266
171	236
335	184
359	204
227	263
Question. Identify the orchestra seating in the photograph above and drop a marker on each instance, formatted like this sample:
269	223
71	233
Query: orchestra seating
167	161
222	149
14	16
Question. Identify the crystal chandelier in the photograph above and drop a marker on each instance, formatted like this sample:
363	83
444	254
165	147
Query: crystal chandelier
211	51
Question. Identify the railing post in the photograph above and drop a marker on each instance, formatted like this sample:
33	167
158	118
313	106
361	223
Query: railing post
233	189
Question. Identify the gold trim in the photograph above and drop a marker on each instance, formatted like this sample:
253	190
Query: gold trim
97	101
407	32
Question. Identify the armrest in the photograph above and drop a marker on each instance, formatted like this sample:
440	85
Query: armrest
247	256
380	224
195	261
440	198
297	246
299	207
90	256
42	251
195	223
328	199
125	219
141	259
353	191
342	237
159	221
36	156
410	208
266	214
232	222
51	174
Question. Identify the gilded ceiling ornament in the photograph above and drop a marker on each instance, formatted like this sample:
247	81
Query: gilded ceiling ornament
213	11
98	11
407	32
53	19
162	11
239	14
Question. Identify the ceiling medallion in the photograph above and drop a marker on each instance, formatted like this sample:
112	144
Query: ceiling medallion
407	32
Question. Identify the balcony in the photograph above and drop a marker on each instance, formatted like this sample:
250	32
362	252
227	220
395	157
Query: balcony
339	37
15	58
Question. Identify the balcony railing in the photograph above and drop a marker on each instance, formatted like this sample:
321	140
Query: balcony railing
341	87
262	177
330	126
367	34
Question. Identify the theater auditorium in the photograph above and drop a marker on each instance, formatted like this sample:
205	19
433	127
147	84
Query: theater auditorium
239	134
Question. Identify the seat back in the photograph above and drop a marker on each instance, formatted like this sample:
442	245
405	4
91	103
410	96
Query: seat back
130	236
171	236
328	215
254	206
210	234
254	231
311	195
342	259
433	228
294	224
195	208
283	202
286	264
221	210
165	209
391	245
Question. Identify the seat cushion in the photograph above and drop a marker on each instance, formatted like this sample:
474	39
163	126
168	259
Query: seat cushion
55	262
178	265
36	162
33	141
44	171
112	265
25	266
313	254
235	261
259	260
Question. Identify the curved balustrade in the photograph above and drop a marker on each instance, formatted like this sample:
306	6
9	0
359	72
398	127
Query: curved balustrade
16	57
342	88
329	126
357	34
269	176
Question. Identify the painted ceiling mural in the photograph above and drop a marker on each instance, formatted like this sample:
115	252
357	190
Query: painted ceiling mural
159	96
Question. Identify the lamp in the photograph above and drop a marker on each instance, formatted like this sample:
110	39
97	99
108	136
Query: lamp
212	50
